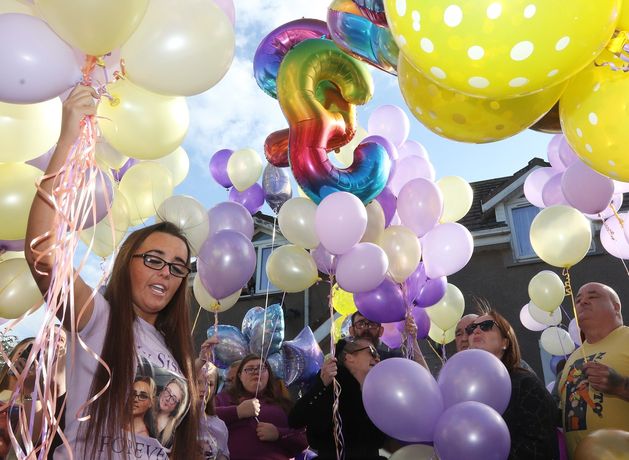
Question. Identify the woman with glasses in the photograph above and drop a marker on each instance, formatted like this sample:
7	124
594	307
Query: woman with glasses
213	433
143	314
171	405
353	360
143	397
531	415
255	410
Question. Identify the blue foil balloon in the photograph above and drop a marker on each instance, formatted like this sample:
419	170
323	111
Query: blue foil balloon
232	345
276	361
254	327
302	357
277	187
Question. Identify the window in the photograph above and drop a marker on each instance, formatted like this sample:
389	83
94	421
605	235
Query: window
521	219
261	279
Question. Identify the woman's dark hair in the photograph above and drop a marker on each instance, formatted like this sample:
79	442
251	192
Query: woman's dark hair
274	392
511	357
348	345
109	413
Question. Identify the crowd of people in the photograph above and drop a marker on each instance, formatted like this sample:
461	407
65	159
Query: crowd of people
156	399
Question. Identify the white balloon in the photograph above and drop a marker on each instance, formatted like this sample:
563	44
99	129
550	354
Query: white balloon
557	341
189	215
244	168
209	303
550	319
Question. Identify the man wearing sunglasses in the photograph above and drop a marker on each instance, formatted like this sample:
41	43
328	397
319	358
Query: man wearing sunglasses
362	328
461	337
594	385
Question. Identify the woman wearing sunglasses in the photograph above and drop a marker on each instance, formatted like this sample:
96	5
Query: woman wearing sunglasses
255	410
353	360
531	415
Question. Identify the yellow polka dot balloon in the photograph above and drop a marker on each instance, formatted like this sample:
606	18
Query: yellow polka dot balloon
459	117
594	113
501	48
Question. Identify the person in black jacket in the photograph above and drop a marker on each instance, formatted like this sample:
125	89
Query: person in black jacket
353	359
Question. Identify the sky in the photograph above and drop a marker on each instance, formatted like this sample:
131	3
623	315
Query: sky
237	114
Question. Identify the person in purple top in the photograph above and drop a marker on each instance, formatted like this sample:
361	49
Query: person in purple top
255	410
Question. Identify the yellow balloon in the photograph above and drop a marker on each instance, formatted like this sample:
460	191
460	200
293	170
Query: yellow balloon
623	17
6	255
595	121
560	236
180	49
345	155
190	216
343	301
108	157
459	117
28	130
501	48
552	318
209	303
107	234
18	290
177	163
457	198
449	310
439	335
604	444
403	250
297	222
244	168
546	290
17	190
142	124
15	6
145	186
414	452
291	268
337	328
375	223
93	26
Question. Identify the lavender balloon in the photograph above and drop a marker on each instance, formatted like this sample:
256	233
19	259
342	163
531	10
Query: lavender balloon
41	162
472	431
230	215
276	185
447	248
326	261
534	184
11	245
585	189
432	292
409	168
575	332
388	202
567	155
411	147
475	375
422	321
302	357
123	169
228	8
552	194
402	399
218	167
226	261
232	345
384	304
415	282
419	205
391	122
103	196
36	64
362	268
391	335
251	198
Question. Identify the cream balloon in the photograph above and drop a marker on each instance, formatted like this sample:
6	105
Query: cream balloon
291	268
449	310
18	290
544	317
177	163
561	236
296	219
107	234
142	124
209	303
107	156
6	255
414	452
192	45
93	26
244	168
457	198
190	216
15	6
557	341
28	130
375	223
546	290
345	155
17	190
145	186
402	247
439	335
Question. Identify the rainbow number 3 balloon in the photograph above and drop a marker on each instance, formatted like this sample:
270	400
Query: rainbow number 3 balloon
501	48
318	126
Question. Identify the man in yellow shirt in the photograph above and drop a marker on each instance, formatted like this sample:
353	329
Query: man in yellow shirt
594	386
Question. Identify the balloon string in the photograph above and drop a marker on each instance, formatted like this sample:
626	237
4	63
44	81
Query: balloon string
568	287
337	420
436	352
194	325
406	347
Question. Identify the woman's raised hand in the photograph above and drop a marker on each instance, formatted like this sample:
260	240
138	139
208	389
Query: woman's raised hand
81	102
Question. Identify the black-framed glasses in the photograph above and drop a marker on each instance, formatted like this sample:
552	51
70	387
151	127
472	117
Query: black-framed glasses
366	324
169	396
485	326
141	395
254	370
157	263
372	351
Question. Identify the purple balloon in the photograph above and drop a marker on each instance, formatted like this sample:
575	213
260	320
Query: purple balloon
534	184
553	152
340	222
218	167
362	268
391	122
11	245
475	375
419	205
567	156
123	169
616	203
230	215
552	194
422	321
326	261
388	202
432	292
415	282
384	304
613	237
411	147
251	198
41	162
585	189
391	336
447	248
409	168
473	431
226	262
103	196
36	64
402	399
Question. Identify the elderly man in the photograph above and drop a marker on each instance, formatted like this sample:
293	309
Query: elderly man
460	335
594	385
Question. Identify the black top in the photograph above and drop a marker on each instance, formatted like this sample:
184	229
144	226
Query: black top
314	411
531	417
